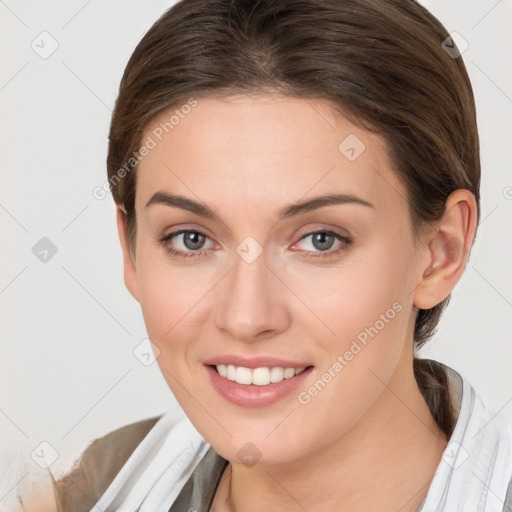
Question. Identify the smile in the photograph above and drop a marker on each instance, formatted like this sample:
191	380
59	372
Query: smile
258	376
256	387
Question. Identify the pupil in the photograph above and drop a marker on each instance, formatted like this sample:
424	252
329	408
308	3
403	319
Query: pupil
193	240
322	244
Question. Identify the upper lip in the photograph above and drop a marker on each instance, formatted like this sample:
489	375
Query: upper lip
254	362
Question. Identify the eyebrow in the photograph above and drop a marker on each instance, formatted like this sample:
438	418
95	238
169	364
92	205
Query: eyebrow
291	210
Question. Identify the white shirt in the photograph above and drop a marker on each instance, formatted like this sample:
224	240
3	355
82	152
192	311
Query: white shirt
174	469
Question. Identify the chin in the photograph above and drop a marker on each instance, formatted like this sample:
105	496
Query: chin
259	450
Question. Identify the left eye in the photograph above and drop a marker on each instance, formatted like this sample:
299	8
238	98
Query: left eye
322	241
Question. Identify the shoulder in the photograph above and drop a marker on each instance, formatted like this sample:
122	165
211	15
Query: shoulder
98	465
114	448
478	456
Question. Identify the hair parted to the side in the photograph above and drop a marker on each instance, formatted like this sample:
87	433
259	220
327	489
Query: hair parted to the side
380	63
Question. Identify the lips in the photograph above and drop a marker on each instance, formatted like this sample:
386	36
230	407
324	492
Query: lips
251	395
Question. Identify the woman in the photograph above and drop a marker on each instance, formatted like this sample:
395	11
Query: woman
297	191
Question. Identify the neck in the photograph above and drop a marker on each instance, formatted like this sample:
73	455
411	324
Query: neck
385	462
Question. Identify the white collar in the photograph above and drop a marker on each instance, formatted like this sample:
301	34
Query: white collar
476	466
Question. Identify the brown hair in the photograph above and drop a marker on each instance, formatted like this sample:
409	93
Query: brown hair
381	63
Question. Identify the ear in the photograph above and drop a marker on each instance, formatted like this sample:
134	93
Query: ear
447	250
130	269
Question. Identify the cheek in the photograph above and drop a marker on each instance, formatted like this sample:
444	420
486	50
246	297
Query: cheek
168	310
172	299
359	342
342	300
358	317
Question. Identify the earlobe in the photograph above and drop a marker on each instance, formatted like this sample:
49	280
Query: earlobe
130	269
448	250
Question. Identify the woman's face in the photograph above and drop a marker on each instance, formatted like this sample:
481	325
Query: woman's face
254	282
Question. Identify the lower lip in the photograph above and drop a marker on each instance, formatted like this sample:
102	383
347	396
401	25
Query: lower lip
252	395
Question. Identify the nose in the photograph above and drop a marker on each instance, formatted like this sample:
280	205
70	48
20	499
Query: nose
250	305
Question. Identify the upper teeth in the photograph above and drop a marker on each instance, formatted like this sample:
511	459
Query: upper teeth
259	376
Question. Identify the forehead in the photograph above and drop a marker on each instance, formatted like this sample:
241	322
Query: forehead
244	151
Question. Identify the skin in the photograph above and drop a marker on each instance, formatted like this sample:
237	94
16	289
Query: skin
41	499
367	441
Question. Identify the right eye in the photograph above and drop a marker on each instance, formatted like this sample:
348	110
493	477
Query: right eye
191	241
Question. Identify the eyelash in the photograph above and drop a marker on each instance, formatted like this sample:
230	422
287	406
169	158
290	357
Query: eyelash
344	246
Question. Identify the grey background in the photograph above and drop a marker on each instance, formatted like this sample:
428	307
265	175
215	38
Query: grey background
69	328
